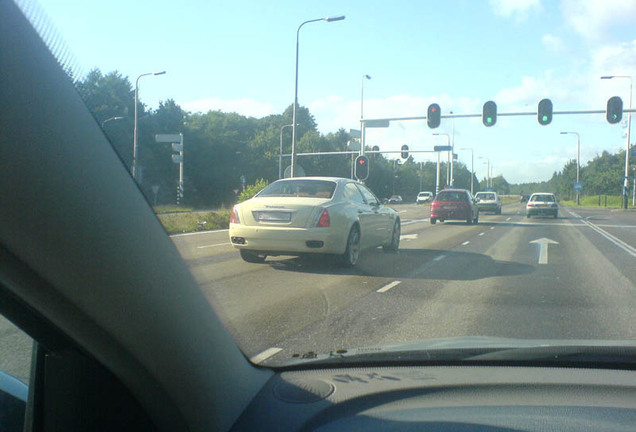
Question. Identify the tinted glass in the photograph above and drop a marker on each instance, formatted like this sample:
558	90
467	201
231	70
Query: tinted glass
300	188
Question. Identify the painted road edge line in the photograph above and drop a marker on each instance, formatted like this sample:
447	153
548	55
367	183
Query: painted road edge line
269	352
387	287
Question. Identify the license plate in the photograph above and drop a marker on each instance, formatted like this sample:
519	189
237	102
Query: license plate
450	207
273	216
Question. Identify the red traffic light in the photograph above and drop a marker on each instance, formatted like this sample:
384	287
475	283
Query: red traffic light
362	168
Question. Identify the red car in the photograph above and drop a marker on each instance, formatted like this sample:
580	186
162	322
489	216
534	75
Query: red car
454	204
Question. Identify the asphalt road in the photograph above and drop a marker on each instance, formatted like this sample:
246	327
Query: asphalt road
508	276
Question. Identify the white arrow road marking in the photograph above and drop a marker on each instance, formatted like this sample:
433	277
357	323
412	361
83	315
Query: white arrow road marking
408	237
543	248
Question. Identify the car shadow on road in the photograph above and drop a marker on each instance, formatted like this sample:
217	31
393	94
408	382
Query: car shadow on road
411	264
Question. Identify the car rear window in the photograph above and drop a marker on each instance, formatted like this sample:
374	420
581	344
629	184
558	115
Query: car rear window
300	188
542	198
486	196
451	196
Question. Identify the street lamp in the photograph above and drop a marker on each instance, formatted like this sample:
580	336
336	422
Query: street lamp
111	119
488	172
280	155
362	95
448	175
134	164
578	162
472	169
293	149
629	128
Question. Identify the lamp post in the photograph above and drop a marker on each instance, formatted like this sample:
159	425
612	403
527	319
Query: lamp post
578	162
488	172
111	119
280	154
134	164
472	169
629	128
293	149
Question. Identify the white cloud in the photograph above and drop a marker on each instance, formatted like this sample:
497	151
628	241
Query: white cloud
246	107
554	44
594	20
518	9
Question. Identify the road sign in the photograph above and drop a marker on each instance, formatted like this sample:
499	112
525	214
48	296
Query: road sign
177	147
442	148
355	133
578	186
376	123
168	138
177	158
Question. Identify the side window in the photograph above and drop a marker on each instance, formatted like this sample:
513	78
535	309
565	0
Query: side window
15	367
352	193
368	195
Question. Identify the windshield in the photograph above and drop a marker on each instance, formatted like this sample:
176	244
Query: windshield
209	104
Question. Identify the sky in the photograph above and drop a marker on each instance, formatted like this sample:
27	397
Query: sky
239	56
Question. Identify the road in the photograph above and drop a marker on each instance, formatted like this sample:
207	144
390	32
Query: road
508	276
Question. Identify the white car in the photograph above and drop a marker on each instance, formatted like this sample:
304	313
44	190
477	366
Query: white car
424	197
313	215
542	204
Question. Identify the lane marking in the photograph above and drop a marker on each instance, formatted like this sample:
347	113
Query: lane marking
543	248
621	244
269	352
492	228
481	233
402	211
412	221
408	237
387	287
439	258
213	245
465	243
508	219
199	232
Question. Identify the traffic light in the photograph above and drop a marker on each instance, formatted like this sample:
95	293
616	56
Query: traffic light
362	168
434	116
544	114
405	152
489	114
614	109
375	148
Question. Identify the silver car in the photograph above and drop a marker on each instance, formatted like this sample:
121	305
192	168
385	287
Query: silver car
488	202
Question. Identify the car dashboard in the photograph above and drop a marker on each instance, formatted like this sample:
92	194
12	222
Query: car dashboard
440	398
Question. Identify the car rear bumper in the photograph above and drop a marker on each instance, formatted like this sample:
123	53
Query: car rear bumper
451	215
542	211
282	240
489	207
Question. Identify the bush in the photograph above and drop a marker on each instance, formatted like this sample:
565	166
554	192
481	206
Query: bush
252	190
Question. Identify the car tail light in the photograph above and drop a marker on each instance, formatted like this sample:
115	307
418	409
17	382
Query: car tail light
234	218
323	220
530	205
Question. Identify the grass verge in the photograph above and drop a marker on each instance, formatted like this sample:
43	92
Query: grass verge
183	222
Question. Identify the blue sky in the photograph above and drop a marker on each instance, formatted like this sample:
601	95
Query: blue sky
239	56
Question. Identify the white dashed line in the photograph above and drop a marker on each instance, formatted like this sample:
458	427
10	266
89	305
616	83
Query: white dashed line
259	358
481	233
508	219
465	243
439	258
387	287
492	228
213	245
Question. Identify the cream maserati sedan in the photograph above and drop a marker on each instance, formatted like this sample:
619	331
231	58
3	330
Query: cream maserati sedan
313	215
